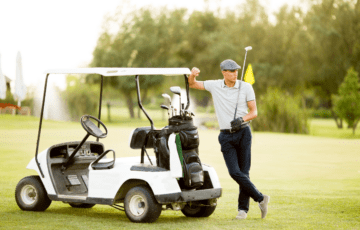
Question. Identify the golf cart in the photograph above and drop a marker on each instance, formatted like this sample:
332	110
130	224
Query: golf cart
78	172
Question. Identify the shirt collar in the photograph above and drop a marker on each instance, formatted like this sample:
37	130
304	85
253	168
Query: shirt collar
236	86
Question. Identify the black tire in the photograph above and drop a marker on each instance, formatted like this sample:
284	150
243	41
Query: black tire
198	211
30	194
141	205
81	205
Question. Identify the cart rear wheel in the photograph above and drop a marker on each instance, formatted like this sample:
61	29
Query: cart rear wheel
81	205
198	211
141	205
30	194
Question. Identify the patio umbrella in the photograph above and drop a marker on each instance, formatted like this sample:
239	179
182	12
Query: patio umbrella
2	83
20	88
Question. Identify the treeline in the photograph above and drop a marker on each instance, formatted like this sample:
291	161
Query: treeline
301	53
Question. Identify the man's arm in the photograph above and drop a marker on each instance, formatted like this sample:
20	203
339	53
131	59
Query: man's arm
252	111
192	80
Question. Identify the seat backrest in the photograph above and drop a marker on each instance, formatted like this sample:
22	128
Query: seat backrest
138	137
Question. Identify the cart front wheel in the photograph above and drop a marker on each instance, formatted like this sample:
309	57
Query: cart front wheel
141	205
30	194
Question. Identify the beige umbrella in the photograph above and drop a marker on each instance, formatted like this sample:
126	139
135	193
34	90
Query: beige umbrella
2	83
20	88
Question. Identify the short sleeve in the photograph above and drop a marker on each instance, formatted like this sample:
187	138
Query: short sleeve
250	94
209	85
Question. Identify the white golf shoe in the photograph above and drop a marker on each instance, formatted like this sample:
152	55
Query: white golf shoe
263	205
241	215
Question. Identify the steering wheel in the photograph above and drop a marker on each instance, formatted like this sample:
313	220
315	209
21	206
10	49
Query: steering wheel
91	128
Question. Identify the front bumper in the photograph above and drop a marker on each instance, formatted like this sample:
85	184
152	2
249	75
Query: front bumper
186	196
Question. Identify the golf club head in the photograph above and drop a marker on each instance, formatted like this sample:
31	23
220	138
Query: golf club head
176	90
164	107
165	95
248	48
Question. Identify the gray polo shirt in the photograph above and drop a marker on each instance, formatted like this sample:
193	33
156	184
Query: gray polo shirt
225	99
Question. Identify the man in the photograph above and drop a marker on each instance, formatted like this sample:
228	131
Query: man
235	134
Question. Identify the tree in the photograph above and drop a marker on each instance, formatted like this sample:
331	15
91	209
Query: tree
347	103
333	26
145	39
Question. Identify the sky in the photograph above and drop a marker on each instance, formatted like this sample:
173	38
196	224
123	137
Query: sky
63	34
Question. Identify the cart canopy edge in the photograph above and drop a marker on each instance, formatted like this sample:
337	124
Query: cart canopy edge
110	72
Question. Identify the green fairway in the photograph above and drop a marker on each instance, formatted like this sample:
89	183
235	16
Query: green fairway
313	181
328	128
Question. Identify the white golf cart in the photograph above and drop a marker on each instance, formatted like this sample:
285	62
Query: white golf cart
77	172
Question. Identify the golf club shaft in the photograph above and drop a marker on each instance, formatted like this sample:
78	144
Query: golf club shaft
242	75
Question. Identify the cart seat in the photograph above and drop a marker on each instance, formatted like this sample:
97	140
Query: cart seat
105	165
96	165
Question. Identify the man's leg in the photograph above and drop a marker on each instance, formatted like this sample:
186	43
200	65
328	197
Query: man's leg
231	160
243	147
244	153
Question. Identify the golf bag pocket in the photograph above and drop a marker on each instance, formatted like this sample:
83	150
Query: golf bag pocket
190	156
189	139
194	175
193	172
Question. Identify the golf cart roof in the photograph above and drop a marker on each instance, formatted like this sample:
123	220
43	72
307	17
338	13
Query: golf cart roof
108	72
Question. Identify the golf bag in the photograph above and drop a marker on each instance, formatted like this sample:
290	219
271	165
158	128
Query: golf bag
193	173
144	137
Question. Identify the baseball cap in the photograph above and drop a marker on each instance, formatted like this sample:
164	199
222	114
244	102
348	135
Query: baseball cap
229	64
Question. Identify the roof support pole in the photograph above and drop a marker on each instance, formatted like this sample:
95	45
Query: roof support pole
139	101
40	124
100	102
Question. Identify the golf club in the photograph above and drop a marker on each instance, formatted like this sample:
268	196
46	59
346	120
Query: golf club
187	112
248	48
165	95
165	107
177	90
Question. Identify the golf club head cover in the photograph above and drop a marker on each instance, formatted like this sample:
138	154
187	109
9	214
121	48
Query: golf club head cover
236	124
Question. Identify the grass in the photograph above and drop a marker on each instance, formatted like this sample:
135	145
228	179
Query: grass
328	128
320	127
313	181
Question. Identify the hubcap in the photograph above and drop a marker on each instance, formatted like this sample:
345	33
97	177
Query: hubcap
137	205
28	194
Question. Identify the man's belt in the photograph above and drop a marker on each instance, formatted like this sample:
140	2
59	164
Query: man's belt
246	124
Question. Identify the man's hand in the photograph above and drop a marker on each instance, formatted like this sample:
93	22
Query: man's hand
195	72
193	83
236	123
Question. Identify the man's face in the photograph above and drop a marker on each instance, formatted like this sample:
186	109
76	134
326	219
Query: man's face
230	75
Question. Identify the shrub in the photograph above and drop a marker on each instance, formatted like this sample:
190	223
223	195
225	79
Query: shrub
347	103
81	98
321	113
279	112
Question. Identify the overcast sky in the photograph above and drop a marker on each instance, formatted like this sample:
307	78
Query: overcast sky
63	34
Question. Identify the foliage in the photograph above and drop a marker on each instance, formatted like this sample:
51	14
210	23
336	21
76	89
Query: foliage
80	100
298	51
279	112
320	113
148	41
347	103
28	101
9	98
333	29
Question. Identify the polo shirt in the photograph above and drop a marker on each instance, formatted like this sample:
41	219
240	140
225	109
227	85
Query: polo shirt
225	99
